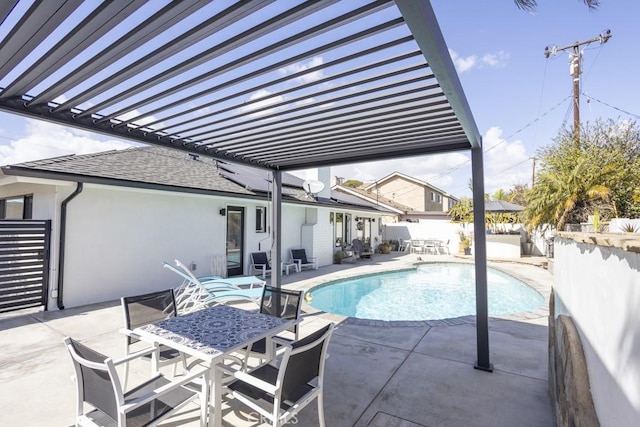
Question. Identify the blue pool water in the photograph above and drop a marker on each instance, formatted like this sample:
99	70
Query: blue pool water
431	292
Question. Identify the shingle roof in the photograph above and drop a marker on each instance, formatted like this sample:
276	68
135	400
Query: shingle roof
170	169
152	165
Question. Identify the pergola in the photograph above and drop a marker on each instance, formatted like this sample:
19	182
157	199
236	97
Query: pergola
279	85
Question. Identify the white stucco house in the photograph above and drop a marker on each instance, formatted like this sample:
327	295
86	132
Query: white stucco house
116	216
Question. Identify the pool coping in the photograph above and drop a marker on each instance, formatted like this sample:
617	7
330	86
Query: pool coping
517	270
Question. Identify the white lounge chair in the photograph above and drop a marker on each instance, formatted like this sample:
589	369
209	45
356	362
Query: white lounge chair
193	295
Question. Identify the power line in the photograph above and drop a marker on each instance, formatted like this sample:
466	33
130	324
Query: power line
611	106
537	119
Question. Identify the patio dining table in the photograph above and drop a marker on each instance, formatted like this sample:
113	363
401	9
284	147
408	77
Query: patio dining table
211	334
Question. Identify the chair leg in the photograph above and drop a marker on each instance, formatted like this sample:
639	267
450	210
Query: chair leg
126	367
204	400
320	410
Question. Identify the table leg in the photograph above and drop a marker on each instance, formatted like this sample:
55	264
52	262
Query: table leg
216	398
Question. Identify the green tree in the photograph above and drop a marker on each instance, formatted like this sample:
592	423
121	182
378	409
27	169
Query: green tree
352	183
462	212
518	194
602	175
500	194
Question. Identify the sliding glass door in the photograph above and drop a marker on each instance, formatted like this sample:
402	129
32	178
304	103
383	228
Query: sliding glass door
235	241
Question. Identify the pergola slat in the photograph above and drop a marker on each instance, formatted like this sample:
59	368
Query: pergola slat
100	21
172	47
147	30
329	125
293	101
252	89
35	25
252	57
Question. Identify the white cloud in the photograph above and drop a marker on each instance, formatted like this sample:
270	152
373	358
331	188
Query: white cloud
496	60
44	140
506	162
261	104
141	122
493	60
463	63
301	66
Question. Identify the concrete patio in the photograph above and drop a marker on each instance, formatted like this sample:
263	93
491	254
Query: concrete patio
379	374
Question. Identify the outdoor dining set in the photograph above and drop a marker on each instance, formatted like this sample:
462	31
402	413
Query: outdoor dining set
428	246
218	351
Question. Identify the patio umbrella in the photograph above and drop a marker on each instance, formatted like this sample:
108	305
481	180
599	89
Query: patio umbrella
501	206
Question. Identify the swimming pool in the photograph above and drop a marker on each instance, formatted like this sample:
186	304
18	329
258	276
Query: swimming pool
430	292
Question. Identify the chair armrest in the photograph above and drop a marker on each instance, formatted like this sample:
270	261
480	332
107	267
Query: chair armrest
133	356
165	389
250	379
281	341
128	332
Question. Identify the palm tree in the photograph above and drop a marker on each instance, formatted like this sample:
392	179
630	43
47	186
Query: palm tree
531	5
559	193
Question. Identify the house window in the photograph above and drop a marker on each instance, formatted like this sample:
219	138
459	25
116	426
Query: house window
433	196
20	207
439	198
261	219
341	228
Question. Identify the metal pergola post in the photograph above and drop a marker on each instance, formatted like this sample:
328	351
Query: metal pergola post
480	253
276	247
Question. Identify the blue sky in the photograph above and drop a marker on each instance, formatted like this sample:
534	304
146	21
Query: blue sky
518	98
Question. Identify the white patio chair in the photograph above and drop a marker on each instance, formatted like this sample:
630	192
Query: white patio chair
443	247
279	392
278	302
417	246
260	262
299	257
141	310
147	404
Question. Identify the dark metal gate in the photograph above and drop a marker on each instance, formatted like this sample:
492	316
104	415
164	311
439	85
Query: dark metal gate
24	263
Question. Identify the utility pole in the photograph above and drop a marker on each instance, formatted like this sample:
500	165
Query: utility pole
575	68
533	173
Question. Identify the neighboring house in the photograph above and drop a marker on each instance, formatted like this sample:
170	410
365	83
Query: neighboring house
409	198
117	215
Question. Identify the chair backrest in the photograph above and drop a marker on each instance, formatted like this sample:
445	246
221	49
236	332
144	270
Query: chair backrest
141	310
282	303
358	246
305	362
94	378
260	258
300	254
